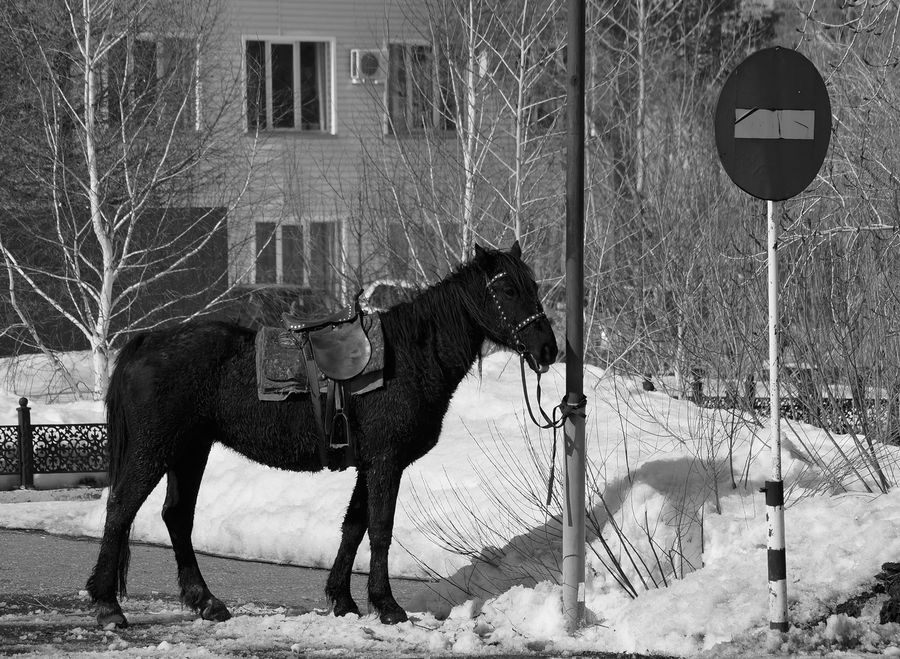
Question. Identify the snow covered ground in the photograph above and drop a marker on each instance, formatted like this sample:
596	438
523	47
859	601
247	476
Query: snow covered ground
672	505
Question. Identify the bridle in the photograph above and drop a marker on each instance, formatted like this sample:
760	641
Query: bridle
557	418
513	330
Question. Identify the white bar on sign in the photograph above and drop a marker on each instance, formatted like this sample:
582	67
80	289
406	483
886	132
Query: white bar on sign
762	124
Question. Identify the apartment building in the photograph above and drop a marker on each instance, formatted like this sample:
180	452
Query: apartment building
327	88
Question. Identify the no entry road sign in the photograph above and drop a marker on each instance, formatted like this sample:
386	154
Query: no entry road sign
773	124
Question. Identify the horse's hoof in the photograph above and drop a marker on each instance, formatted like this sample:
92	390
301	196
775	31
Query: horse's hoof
393	616
345	608
108	615
215	611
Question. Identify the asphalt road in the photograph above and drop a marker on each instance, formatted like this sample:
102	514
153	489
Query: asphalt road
45	610
46	566
43	606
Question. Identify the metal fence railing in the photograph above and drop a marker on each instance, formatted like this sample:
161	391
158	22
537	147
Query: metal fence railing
839	415
27	449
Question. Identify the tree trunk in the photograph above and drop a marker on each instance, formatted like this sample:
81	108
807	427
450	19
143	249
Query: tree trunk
102	230
99	367
469	138
640	102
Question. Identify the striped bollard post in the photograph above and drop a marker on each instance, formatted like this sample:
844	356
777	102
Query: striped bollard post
774	491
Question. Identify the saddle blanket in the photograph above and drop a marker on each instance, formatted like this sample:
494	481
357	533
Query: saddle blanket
281	366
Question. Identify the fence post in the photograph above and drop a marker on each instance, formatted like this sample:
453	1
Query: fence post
26	448
697	385
809	394
893	434
749	390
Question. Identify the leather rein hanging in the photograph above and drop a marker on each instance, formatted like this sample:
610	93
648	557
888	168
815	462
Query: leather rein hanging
563	410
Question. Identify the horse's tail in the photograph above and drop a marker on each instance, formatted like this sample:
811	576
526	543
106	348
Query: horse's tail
117	442
116	426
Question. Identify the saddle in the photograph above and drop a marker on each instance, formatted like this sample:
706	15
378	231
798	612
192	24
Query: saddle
339	344
337	350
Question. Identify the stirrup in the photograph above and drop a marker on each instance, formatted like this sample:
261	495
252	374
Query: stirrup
344	441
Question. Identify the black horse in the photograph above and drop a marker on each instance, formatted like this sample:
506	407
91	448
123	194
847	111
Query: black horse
174	392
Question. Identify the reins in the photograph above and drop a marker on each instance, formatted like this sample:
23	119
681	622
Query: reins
560	412
564	410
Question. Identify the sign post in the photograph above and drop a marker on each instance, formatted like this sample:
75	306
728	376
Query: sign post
574	478
773	126
774	489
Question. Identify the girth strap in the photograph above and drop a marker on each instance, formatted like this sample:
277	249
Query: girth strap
334	418
312	377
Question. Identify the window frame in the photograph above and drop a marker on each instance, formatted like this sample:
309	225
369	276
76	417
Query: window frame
306	240
330	69
158	39
546	114
438	118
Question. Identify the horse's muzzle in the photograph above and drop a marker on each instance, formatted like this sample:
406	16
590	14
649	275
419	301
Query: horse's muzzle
541	363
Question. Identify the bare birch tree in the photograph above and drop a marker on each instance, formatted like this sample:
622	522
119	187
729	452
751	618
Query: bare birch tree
472	153
128	149
657	207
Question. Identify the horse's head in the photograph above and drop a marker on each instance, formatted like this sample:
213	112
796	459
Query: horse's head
513	315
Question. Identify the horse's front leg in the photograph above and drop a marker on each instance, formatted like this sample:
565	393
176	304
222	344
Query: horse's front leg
383	479
337	588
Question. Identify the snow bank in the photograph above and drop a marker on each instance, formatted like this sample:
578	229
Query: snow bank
679	483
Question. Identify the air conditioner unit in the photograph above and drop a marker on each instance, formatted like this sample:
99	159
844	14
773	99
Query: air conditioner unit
365	66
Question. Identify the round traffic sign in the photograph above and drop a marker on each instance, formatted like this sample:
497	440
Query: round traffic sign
773	124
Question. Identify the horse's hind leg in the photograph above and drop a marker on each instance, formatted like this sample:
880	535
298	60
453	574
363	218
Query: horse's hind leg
337	588
178	513
134	485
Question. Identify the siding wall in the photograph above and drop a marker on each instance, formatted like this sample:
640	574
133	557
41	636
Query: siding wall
299	174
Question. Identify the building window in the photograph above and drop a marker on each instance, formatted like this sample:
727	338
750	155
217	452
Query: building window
419	94
146	75
297	254
266	253
398	246
322	256
292	254
546	95
289	85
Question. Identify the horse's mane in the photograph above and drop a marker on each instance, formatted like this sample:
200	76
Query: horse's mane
463	291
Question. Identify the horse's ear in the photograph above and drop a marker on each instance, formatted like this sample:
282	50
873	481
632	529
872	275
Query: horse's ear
479	251
516	250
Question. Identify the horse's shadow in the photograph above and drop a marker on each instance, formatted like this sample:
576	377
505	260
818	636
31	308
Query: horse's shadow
643	530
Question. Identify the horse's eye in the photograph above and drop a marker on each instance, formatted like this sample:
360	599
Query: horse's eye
508	291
